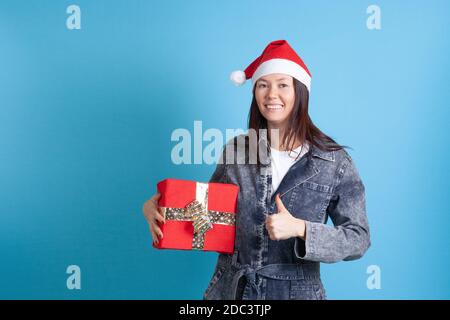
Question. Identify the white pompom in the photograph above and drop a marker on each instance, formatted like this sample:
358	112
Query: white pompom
238	77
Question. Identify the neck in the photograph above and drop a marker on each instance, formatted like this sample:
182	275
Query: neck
277	143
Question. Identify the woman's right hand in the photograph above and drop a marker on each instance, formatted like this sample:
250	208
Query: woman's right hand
153	216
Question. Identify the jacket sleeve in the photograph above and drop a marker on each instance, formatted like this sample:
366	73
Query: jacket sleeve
349	239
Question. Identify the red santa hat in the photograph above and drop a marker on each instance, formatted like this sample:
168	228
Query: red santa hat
277	57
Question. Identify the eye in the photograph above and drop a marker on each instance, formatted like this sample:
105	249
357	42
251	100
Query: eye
283	85
261	85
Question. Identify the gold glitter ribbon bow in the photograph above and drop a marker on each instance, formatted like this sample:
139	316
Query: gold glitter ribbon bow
199	215
203	219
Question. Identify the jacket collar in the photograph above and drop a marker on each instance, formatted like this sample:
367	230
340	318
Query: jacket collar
325	155
315	151
310	168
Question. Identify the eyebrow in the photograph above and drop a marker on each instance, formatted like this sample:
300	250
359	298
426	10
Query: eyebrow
279	79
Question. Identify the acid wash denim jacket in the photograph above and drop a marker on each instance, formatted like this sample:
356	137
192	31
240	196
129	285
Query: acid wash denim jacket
319	185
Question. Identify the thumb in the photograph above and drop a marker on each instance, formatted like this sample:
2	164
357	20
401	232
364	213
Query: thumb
279	203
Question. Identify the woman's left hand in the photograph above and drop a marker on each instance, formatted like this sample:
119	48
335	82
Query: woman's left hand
282	225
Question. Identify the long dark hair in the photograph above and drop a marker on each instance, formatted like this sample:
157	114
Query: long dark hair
299	126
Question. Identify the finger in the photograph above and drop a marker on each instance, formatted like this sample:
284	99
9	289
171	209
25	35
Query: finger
144	208
272	234
157	217
279	203
155	198
268	223
269	227
147	208
154	237
158	232
160	217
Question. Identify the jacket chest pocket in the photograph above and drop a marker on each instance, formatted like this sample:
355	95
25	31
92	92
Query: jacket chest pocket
309	201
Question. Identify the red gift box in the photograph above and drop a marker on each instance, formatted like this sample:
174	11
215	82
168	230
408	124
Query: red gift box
199	216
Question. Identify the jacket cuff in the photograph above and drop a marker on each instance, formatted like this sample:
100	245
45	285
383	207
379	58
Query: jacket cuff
304	249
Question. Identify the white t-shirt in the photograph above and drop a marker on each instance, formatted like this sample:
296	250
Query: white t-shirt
281	161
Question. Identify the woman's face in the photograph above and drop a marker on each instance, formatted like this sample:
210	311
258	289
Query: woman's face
275	96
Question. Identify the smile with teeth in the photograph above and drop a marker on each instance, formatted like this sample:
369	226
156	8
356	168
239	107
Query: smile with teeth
274	106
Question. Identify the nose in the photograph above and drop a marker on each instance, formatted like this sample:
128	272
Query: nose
272	92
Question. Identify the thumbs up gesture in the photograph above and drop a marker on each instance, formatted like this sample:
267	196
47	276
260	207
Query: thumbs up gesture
282	225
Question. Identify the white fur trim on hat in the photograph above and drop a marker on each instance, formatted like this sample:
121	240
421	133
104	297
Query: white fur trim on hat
283	66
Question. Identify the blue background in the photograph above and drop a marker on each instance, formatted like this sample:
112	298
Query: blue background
86	118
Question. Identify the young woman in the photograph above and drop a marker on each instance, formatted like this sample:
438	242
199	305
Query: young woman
286	197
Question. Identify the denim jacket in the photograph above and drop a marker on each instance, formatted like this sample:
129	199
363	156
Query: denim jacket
319	185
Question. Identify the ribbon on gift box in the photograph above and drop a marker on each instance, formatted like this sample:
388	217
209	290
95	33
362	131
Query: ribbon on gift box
197	212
